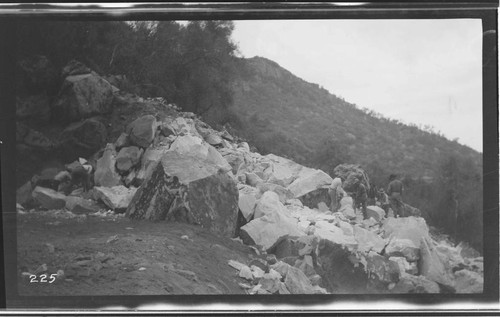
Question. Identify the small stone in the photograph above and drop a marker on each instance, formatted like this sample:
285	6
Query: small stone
185	237
245	286
257	272
246	273
112	239
235	264
142	269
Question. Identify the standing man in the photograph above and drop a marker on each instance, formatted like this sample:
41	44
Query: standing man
361	197
336	193
395	191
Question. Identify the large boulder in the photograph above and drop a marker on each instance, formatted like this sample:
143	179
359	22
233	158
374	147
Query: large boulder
116	197
23	193
403	247
411	228
49	198
308	182
384	270
195	146
468	282
297	282
105	173
415	284
375	212
184	126
82	96
271	223
284	171
149	160
190	188
247	200
82	139
127	158
142	130
431	265
79	205
329	231
368	240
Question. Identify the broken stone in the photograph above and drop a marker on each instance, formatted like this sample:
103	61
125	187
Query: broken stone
431	265
468	282
415	284
308	182
246	273
253	180
117	197
403	247
368	240
105	174
257	272
49	198
127	158
375	212
247	200
191	189
297	282
406	228
79	205
384	270
142	131
306	265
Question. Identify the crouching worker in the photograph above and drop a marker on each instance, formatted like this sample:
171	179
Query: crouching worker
77	174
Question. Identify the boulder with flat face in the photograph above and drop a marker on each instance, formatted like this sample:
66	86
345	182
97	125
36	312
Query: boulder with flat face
375	212
142	131
82	139
49	198
105	173
193	145
188	187
247	200
271	223
116	197
411	228
403	247
368	240
127	158
83	96
431	265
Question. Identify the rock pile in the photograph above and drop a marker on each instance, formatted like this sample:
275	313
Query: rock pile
176	167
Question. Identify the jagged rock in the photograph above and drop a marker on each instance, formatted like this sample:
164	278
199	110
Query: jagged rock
403	247
406	228
246	273
306	265
105	174
349	173
339	273
287	247
236	159
450	255
284	171
415	284
309	181
149	160
307	245
82	139
328	231
116	197
270	285
122	141
82	96
283	193
368	240
49	198
297	282
127	158
431	265
75	67
184	126
188	188
347	228
294	202
195	146
166	129
247	200
253	180
213	139
33	106
79	205
384	270
405	266
271	224
257	272
227	136
467	251
375	212
142	131
346	207
468	282
23	193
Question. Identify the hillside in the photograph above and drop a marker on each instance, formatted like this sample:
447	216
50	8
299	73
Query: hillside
283	114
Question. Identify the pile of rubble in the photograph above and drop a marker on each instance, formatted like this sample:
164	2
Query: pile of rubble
176	167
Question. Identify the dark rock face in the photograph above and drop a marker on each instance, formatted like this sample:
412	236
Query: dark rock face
36	74
83	96
339	274
75	67
105	174
49	198
188	188
35	107
82	139
142	131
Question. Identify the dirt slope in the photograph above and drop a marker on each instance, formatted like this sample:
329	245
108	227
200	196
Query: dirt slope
145	259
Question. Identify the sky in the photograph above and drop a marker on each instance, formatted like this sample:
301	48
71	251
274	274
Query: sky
426	72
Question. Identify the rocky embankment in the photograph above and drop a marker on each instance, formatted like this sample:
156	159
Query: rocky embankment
166	165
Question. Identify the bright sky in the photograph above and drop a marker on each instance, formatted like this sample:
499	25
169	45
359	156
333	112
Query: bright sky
425	72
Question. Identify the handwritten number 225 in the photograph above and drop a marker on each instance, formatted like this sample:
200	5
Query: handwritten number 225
43	278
